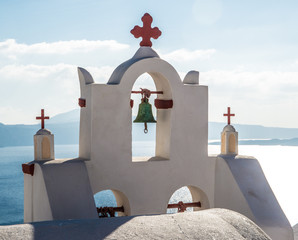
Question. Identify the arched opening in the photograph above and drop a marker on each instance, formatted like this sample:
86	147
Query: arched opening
155	145
111	203
232	143
143	144
188	198
46	148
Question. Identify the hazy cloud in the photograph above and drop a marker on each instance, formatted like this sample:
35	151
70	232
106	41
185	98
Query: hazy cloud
48	79
11	47
25	89
183	55
256	97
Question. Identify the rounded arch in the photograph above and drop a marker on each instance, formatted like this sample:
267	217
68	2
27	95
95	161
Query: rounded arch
164	75
191	193
166	79
143	145
198	195
112	198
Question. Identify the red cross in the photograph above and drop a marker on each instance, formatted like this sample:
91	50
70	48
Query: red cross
229	115
146	32
42	118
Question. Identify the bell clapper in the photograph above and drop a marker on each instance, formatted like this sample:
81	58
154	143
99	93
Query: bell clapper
145	125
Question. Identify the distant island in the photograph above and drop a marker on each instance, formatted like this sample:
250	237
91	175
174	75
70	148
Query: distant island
281	142
65	127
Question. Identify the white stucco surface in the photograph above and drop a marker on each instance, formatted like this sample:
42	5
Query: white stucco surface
178	160
68	188
36	199
241	186
59	189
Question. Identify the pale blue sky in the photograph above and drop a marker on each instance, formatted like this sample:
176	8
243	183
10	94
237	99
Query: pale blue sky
246	51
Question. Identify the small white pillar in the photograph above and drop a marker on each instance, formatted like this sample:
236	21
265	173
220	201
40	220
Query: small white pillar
229	141
44	145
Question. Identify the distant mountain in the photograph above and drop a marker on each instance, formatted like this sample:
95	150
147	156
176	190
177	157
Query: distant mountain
65	127
16	135
22	135
68	117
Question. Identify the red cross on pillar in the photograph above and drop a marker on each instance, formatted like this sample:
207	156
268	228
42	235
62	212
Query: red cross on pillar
42	118
229	115
146	32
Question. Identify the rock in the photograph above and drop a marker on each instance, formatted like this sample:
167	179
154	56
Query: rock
208	224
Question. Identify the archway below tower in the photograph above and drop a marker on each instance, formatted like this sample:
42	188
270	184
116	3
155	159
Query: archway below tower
110	203
188	198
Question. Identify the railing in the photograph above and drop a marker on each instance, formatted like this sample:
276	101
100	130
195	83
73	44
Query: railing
182	206
110	211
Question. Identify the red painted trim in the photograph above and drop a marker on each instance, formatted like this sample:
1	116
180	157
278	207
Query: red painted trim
163	104
28	168
131	103
182	206
82	102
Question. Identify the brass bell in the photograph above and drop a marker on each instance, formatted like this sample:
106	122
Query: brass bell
145	113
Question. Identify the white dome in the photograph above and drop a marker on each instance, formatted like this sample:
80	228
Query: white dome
145	52
43	132
229	128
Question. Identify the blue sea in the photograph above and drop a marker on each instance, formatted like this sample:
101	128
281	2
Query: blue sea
279	164
12	179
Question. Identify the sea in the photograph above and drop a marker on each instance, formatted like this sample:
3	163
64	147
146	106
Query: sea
279	163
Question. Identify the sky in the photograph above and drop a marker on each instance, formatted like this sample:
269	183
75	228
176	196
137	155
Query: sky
246	53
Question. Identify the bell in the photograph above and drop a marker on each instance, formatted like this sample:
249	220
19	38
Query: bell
145	114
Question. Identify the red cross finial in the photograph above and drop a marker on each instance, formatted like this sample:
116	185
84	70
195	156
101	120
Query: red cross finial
229	115
42	118
146	32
